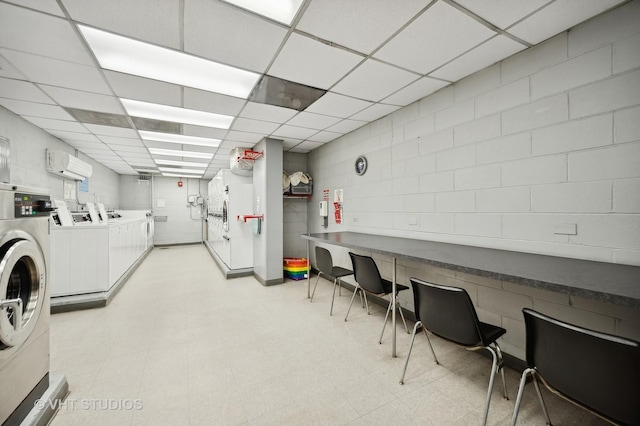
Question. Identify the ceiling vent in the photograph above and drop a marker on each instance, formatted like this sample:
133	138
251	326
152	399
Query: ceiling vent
283	93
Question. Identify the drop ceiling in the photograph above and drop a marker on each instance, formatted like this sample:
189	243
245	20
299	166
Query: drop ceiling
365	58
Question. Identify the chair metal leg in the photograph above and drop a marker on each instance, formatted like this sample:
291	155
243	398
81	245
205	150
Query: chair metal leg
314	287
402	316
355	290
339	287
494	371
406	363
523	382
435	358
501	368
333	297
544	406
384	324
366	303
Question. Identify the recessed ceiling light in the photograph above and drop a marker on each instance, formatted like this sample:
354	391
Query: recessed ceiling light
182	163
177	170
178	153
181	139
180	175
122	54
176	115
279	10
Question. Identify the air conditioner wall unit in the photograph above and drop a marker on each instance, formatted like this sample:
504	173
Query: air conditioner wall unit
66	165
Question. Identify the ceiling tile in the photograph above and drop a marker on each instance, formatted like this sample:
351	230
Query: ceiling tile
232	144
35	109
112	140
9	71
374	80
361	25
254	126
265	112
147	20
286	131
48	6
486	54
313	121
75	136
121	132
287	144
83	144
212	102
558	17
252	138
22	91
324	136
337	105
144	89
502	13
240	39
346	126
416	90
126	148
40	34
310	62
203	132
57	73
84	100
449	33
374	112
48	124
305	146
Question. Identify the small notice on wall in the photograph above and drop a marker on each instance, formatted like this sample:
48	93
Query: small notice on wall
69	188
160	202
337	196
84	185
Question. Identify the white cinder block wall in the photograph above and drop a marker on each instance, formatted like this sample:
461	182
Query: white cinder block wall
184	223
28	163
548	137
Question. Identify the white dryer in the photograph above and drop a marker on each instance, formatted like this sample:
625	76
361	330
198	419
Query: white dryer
24	299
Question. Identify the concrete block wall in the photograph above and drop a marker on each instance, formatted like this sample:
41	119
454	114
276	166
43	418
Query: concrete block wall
507	158
184	223
28	163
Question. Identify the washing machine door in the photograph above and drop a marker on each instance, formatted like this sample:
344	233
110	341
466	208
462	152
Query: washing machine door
22	287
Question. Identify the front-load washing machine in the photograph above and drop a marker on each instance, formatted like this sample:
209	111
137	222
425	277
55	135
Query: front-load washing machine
24	299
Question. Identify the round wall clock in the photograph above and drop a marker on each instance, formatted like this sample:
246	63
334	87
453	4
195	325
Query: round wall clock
361	165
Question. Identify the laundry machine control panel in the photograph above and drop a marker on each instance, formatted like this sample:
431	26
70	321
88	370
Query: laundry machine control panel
32	205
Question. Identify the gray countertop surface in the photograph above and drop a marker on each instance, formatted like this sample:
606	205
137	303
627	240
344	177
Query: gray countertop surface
606	282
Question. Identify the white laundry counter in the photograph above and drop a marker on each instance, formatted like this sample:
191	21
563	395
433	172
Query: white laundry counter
88	258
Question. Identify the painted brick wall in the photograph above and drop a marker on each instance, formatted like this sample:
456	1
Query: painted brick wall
547	137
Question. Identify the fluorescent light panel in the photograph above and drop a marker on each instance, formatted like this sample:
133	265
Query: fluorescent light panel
181	139
279	10
178	153
179	175
122	54
176	114
177	170
181	163
146	170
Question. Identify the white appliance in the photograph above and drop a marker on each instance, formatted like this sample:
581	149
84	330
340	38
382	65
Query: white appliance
231	237
64	164
24	299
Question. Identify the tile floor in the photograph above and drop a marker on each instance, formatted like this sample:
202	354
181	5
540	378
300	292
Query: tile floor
195	349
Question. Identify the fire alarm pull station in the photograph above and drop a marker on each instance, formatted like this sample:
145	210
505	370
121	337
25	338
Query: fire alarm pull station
324	213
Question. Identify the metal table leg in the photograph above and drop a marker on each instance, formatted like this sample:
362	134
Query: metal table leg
393	308
308	271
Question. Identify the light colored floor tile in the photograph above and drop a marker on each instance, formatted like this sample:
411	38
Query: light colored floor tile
197	349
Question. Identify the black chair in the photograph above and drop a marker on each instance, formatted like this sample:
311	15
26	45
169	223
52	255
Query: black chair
594	370
449	313
324	262
368	280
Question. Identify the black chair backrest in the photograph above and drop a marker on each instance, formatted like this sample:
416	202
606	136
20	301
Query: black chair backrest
447	312
324	260
366	273
597	370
